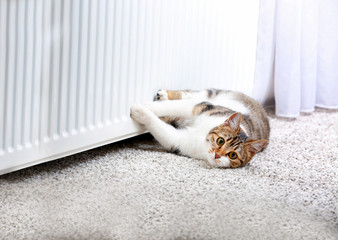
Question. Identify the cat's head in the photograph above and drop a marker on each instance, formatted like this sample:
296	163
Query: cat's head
230	141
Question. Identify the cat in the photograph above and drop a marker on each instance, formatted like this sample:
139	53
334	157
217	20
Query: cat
226	128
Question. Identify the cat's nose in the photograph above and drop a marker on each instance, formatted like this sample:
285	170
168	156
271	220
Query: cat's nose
217	156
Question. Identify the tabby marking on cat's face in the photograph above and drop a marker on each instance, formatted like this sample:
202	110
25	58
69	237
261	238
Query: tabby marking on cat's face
229	140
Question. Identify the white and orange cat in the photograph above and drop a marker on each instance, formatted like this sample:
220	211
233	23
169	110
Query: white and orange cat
226	128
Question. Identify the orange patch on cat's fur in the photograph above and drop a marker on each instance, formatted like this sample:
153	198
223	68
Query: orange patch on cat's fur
174	95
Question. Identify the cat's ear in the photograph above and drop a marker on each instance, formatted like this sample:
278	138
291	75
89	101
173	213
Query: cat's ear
234	121
254	146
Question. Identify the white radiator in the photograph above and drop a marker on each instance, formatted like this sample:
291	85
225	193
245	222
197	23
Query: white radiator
70	69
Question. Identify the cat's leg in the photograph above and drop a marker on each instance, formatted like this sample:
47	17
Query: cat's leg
187	94
165	134
180	94
175	108
175	140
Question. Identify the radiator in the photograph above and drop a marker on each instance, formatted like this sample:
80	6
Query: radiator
70	69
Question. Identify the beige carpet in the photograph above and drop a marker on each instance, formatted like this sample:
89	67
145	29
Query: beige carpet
135	190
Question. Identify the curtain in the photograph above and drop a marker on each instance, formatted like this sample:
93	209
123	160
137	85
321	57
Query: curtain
298	52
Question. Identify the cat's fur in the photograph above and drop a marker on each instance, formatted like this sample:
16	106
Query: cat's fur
226	128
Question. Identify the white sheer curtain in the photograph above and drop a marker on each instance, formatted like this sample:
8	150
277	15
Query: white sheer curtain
298	51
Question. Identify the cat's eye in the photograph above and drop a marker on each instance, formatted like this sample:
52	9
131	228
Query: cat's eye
232	155
220	141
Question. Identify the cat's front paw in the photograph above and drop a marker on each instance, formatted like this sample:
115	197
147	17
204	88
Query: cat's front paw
161	95
222	162
140	113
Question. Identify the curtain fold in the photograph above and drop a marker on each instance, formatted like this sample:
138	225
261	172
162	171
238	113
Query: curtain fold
304	50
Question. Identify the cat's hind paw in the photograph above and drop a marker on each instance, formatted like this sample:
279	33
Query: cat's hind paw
161	95
140	114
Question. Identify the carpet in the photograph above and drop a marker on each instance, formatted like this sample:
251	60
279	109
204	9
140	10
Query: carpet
133	189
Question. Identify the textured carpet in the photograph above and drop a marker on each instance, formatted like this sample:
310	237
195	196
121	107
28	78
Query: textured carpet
135	190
